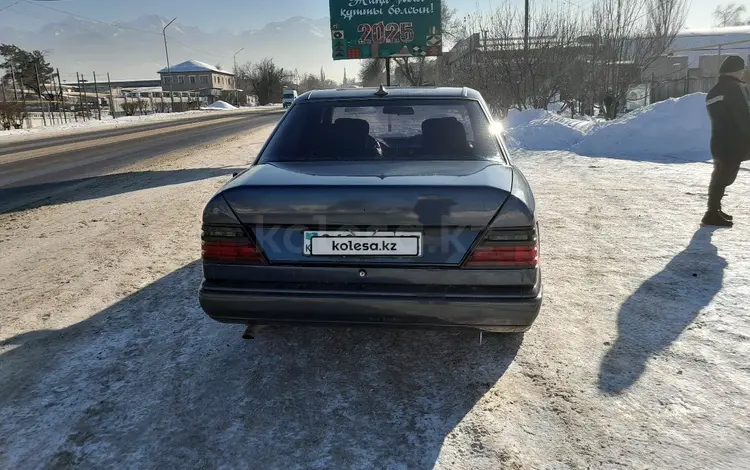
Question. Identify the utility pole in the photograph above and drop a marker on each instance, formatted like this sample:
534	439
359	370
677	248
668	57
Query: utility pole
387	71
111	98
98	103
617	58
80	98
526	51
236	93
39	94
13	78
169	70
526	27
57	98
53	95
23	100
62	97
85	98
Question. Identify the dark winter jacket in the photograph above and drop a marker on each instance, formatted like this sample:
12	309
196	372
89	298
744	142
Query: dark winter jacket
728	108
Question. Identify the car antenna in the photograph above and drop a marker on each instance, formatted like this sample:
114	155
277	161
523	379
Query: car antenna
381	91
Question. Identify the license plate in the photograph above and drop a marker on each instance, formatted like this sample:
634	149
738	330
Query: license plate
363	243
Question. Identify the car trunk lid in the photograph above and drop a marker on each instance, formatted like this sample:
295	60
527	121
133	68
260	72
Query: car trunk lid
448	203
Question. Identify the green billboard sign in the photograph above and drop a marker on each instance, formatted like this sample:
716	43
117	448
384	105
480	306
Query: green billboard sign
362	29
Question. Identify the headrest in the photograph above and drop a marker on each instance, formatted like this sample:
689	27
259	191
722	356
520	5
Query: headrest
445	135
352	126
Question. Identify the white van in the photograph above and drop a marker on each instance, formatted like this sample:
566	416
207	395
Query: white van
288	97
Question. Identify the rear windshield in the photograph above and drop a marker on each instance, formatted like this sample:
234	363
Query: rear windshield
288	94
383	130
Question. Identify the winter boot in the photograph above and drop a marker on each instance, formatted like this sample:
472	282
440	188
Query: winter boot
715	219
726	216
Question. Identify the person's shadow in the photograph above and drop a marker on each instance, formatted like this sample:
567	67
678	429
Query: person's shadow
657	313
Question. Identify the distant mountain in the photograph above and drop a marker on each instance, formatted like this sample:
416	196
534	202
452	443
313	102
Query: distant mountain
135	49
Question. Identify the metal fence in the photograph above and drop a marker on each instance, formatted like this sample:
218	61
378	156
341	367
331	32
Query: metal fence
664	89
60	103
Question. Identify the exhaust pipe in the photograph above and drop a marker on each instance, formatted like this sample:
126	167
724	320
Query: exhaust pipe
252	330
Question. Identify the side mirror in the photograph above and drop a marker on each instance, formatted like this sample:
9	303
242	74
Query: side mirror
235	174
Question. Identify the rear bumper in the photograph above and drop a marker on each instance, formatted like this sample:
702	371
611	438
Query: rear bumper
239	305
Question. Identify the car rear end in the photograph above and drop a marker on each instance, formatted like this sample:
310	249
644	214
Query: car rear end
417	241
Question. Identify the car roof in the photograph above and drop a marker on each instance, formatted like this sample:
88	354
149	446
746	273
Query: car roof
393	92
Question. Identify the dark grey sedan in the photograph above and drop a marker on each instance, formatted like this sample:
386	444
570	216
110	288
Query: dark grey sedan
391	207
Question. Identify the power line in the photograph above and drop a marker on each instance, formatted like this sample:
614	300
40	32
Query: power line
196	49
17	12
87	18
11	5
115	25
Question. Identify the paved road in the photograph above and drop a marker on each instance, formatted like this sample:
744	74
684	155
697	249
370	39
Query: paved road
78	136
36	169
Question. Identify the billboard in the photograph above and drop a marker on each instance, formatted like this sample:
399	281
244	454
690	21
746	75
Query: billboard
363	29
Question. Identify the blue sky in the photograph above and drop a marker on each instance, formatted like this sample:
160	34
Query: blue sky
237	15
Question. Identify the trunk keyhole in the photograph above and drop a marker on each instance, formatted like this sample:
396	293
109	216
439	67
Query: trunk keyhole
362	273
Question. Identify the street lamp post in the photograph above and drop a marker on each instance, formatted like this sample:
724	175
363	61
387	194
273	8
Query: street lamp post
169	70
236	93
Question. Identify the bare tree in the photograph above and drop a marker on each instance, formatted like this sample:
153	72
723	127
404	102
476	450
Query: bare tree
312	82
372	72
414	69
729	15
264	79
574	59
510	75
629	35
143	106
12	115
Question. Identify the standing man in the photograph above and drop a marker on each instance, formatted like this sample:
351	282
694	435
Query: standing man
728	109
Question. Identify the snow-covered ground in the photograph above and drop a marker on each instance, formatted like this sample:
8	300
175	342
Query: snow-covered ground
673	129
71	127
638	360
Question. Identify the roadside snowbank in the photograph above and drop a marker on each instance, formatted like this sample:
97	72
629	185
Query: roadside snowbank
677	128
107	121
219	106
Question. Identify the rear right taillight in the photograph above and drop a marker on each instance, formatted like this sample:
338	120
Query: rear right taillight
230	245
506	249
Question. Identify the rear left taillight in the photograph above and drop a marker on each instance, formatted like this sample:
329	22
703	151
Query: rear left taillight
230	245
506	249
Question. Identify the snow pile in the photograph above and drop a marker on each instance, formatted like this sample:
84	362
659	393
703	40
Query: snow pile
219	106
543	130
676	128
518	118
